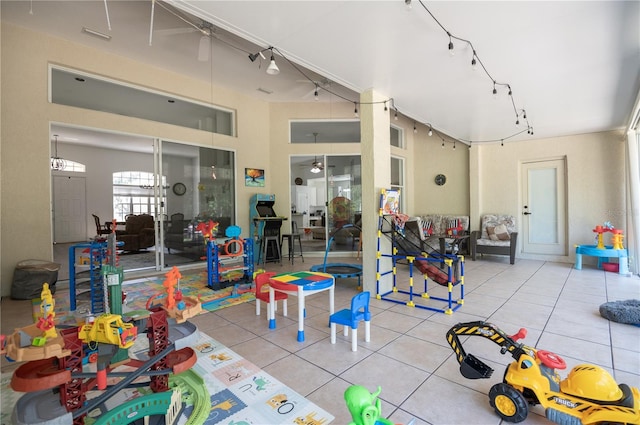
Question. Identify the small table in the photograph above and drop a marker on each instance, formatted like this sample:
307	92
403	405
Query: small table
457	242
603	255
300	284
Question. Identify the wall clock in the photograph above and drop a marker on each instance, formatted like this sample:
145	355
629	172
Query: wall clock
440	179
298	181
179	189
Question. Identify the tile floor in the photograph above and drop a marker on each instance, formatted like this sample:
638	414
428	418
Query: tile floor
408	355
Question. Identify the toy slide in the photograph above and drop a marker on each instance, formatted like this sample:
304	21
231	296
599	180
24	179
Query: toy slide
432	271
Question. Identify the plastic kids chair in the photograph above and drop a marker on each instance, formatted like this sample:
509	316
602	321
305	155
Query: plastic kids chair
262	293
351	317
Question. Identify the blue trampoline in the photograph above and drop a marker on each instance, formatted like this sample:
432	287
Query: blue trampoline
339	270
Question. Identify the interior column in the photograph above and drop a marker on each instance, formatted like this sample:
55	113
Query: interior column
376	175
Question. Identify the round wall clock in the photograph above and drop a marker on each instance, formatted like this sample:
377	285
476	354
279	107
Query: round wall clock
440	179
298	181
179	189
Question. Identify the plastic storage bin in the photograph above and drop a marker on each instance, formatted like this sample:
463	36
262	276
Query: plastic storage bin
28	277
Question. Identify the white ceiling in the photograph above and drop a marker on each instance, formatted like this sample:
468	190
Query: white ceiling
573	66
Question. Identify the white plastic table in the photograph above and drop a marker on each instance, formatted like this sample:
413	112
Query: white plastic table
300	284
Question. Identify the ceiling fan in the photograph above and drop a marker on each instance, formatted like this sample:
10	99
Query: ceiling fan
205	28
316	166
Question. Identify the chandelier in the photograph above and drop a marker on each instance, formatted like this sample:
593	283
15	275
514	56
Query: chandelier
57	163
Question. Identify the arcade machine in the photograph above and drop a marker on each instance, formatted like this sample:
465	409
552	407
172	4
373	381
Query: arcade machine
265	226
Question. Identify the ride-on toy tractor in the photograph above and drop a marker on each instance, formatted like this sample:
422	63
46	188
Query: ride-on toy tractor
588	395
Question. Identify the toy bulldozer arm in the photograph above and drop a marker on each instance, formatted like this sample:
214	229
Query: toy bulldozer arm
472	367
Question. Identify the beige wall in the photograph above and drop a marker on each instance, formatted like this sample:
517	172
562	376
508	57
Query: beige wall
431	159
595	181
25	228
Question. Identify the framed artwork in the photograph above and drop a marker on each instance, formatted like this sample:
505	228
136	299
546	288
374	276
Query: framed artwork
253	177
390	201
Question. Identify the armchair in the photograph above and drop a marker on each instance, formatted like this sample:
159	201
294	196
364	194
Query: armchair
498	235
139	233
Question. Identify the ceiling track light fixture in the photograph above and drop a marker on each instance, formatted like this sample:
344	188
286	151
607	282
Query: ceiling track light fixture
355	109
430	133
272	69
442	143
315	94
474	63
454	144
415	129
395	115
385	106
451	52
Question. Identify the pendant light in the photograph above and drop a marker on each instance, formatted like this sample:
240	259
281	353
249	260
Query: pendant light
57	163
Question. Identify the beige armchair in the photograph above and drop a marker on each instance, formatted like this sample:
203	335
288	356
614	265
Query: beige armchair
498	235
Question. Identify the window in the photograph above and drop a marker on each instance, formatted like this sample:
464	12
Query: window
82	90
397	137
326	131
133	193
397	177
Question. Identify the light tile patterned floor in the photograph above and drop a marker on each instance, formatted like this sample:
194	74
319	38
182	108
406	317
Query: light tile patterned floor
408	355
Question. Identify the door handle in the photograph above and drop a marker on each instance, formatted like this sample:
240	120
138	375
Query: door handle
527	213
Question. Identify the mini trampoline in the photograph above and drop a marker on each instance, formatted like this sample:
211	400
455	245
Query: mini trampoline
339	270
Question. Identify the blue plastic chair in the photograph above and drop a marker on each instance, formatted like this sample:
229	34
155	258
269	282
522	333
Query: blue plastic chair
351	317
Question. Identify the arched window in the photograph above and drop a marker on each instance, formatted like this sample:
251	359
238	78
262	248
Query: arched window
133	193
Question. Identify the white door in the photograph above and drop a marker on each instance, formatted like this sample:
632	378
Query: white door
544	220
69	209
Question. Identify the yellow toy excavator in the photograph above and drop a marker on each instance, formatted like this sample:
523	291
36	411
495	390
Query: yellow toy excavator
587	396
109	329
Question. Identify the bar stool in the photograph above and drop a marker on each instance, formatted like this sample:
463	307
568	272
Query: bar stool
272	242
291	242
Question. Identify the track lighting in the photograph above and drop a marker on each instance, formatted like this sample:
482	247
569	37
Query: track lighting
355	109
407	3
510	92
451	52
415	129
442	143
254	56
395	116
517	121
454	144
474	64
430	133
273	69
385	106
315	94
495	92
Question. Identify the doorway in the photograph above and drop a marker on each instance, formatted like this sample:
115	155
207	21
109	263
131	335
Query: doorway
544	211
69	209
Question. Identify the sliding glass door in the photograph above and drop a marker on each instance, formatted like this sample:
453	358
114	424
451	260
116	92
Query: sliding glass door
326	201
201	192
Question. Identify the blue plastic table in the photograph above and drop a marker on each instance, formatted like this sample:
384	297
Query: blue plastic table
300	284
603	256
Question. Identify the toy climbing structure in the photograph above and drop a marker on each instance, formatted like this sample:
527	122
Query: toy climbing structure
431	265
